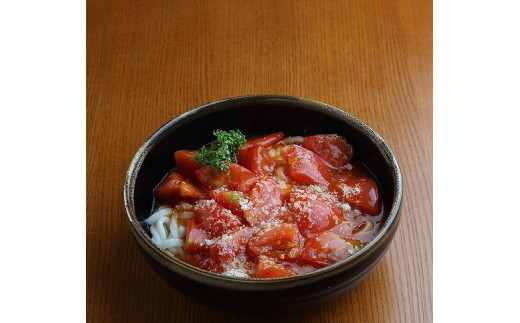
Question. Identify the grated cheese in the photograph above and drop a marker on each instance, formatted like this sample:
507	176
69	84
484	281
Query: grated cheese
345	207
245	204
350	191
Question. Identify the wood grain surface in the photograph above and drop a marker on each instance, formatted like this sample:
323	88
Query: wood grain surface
150	60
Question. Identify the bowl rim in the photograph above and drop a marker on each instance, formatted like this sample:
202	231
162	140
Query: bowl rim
220	280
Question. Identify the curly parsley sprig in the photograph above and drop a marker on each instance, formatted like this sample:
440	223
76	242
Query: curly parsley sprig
222	152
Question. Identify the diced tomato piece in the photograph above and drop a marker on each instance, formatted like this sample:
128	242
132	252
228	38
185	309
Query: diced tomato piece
242	155
228	199
188	190
348	233
266	198
343	230
267	268
258	160
281	241
185	161
238	178
265	141
317	217
201	260
315	212
176	186
361	193
365	226
325	249
298	267
356	169
230	245
241	178
287	216
195	238
214	218
305	167
210	179
333	149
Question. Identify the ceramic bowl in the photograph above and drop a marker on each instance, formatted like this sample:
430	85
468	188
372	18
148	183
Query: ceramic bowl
260	115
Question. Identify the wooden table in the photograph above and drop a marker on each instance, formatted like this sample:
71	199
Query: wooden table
149	61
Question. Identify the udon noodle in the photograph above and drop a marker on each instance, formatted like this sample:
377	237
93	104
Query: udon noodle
166	232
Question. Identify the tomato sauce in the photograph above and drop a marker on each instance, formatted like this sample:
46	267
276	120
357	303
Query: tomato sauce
283	209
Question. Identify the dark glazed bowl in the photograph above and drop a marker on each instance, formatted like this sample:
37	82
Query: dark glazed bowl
260	115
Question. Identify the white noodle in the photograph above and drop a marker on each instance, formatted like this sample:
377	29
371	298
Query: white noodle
174	233
157	215
170	243
182	231
185	206
166	226
280	173
159	225
155	235
165	232
187	215
162	207
369	225
292	140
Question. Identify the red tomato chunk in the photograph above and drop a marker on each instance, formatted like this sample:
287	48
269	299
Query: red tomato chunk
228	246
210	179
241	179
361	193
259	161
195	237
316	212
176	186
266	141
237	178
269	269
325	249
228	199
214	218
185	161
333	149
266	198
281	241
305	167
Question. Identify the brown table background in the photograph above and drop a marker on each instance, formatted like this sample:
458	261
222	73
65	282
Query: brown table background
150	60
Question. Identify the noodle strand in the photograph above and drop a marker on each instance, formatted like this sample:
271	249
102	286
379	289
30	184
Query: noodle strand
157	215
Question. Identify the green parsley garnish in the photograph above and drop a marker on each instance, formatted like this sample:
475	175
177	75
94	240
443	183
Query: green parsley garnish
223	152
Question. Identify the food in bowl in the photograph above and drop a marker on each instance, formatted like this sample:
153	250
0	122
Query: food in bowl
271	206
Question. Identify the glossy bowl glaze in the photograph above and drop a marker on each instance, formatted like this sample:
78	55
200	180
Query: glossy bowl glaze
260	115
